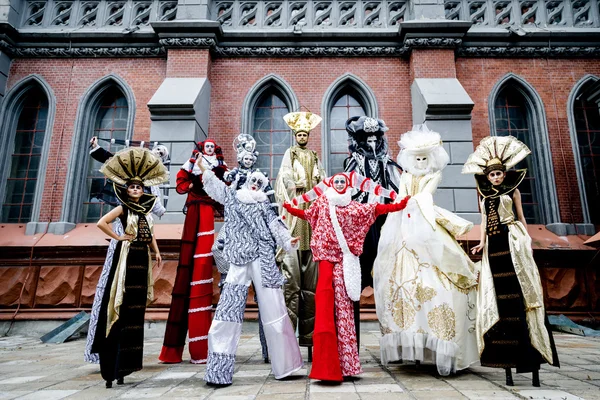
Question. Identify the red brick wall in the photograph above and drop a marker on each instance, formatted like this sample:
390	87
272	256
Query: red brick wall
232	78
188	63
553	80
69	79
309	78
432	63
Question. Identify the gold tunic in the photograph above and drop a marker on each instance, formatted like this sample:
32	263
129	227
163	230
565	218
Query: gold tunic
300	167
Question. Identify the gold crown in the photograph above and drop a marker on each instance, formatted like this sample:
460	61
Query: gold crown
302	121
494	164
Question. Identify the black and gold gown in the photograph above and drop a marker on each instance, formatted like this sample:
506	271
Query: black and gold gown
120	347
507	339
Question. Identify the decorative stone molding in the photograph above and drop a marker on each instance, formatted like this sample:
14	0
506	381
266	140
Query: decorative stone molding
552	14
95	14
432	42
530	51
311	51
188	42
62	52
309	15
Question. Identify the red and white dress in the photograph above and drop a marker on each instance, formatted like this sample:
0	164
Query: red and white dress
335	353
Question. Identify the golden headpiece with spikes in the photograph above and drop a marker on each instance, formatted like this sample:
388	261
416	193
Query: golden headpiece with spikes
302	121
135	164
496	153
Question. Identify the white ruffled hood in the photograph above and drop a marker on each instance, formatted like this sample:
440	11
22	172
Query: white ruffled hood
248	196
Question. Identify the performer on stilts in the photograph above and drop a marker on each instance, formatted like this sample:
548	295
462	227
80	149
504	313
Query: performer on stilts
119	336
108	196
253	231
191	302
369	158
512	327
245	147
339	226
300	171
425	283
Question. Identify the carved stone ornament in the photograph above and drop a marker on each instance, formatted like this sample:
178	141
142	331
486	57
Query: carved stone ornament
432	42
43	52
188	42
571	51
311	51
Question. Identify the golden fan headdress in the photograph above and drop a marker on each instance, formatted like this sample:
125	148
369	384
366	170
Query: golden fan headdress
496	153
302	121
135	164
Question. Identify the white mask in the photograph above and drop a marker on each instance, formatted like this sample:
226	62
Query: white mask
248	161
209	148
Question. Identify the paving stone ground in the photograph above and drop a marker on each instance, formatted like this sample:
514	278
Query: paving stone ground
31	370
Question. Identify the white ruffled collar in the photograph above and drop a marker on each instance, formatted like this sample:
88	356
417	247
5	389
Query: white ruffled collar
337	199
248	196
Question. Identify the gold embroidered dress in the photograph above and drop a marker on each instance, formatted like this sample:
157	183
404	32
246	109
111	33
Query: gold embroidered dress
425	283
512	329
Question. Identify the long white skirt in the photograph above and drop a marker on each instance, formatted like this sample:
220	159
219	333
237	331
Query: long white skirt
426	312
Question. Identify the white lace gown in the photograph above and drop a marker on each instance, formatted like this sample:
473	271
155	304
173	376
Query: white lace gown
425	284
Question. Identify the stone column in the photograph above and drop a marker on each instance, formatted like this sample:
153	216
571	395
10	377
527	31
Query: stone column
179	110
9	14
440	101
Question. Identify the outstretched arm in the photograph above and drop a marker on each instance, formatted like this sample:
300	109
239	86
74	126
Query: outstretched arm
388	208
296	212
213	186
98	153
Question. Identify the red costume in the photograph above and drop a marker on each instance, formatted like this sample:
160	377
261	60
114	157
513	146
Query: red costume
191	302
335	348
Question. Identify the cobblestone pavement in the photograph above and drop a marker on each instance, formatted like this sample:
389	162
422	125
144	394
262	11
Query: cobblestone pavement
32	370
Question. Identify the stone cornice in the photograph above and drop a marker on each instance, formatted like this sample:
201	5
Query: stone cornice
193	42
311	51
530	51
80	52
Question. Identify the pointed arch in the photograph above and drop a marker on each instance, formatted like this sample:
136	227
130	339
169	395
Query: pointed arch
357	95
576	107
14	103
76	188
266	103
525	101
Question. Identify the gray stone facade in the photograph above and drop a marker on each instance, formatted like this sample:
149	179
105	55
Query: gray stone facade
445	107
179	112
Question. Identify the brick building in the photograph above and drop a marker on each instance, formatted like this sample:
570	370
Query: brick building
175	71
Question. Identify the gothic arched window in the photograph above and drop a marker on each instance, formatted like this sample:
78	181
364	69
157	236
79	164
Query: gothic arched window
513	116
25	156
273	136
110	122
345	106
586	116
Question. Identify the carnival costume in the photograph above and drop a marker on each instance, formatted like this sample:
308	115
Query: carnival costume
245	147
425	284
339	228
253	231
300	171
108	195
369	157
119	336
191	301
512	328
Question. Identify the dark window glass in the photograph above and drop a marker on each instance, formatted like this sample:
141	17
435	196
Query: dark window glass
345	107
273	136
25	159
110	122
587	123
513	118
